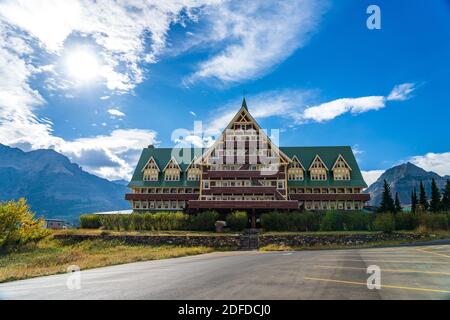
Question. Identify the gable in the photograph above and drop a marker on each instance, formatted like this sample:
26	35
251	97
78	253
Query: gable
340	157
243	116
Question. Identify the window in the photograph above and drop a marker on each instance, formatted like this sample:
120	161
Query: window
280	184
341	171
151	171
318	171
205	184
193	174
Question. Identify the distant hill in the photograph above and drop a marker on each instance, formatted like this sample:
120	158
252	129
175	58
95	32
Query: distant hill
403	179
54	186
121	182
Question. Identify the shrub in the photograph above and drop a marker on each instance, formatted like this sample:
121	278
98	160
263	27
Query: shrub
203	221
145	221
90	221
237	220
434	221
18	226
346	221
291	221
406	221
385	222
332	221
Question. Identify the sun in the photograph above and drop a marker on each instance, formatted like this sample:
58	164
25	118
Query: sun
82	65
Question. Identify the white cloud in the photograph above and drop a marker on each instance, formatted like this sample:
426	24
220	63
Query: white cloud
330	110
110	156
401	92
436	162
284	103
116	113
371	176
257	36
192	113
126	33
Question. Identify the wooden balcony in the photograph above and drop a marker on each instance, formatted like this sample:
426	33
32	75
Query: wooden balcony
161	196
330	197
243	204
240	190
242	174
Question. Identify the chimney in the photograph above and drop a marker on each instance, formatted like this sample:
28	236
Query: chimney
150	146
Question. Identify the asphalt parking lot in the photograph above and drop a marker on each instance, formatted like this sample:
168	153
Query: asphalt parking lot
409	272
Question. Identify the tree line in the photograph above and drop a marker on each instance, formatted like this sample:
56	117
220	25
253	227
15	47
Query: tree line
439	201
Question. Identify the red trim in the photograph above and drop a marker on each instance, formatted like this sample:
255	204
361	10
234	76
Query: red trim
161	196
330	196
218	204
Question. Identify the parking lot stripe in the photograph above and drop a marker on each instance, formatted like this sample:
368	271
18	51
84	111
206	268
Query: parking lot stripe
390	270
382	286
387	261
438	254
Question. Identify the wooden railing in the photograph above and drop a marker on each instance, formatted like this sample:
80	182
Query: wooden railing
330	196
161	196
243	204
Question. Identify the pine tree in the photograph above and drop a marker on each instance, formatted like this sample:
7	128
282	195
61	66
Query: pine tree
423	196
445	204
398	205
414	201
435	203
387	203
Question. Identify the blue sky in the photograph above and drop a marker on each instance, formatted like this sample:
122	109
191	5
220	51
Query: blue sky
97	81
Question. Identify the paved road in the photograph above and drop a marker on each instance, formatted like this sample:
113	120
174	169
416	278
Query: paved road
406	273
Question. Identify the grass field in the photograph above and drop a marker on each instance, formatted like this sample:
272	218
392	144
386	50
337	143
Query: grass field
51	256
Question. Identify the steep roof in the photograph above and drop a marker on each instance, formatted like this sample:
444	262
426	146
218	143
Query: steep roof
329	156
307	155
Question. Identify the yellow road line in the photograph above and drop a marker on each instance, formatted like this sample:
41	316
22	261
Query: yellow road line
390	270
370	257
438	254
382	286
388	261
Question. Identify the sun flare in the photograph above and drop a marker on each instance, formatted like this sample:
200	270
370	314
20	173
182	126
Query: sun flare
82	65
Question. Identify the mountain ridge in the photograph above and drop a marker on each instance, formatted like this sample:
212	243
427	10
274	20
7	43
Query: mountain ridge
402	179
54	186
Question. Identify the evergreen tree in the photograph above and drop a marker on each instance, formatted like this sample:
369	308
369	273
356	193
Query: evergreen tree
435	203
398	205
387	203
423	196
446	197
414	201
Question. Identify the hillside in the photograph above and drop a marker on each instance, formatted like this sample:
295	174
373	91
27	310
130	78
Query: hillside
54	186
403	179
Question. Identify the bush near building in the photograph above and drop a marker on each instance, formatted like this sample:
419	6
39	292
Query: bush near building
237	221
273	221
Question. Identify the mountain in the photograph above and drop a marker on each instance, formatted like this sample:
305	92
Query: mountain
121	182
403	179
55	187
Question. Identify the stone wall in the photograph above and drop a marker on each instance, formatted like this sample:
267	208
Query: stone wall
238	241
306	240
207	241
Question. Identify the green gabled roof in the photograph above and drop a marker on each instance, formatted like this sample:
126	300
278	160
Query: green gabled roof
329	155
306	156
162	156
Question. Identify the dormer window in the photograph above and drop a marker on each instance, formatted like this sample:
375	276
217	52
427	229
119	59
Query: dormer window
172	171
150	172
318	170
341	169
295	170
193	171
